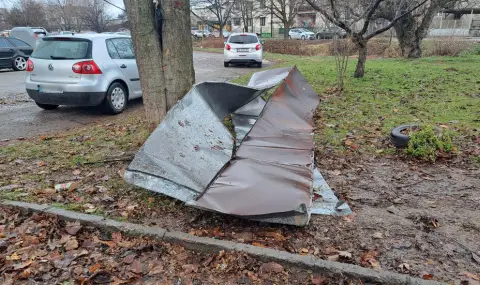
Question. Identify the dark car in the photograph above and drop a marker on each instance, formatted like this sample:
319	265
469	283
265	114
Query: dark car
331	34
14	53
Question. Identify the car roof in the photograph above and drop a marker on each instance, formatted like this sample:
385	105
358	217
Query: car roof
238	34
90	36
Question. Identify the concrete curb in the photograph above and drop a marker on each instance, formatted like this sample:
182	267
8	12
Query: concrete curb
210	245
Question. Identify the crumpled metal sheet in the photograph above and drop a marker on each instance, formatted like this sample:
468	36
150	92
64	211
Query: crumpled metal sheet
272	169
266	173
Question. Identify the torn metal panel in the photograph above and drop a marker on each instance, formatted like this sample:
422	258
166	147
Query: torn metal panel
192	144
273	168
266	173
325	202
269	78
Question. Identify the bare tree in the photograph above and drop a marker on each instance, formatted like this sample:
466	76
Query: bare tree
247	11
93	14
350	14
64	14
286	11
164	53
413	27
27	13
221	10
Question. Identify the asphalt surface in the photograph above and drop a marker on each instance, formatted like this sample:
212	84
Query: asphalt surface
21	118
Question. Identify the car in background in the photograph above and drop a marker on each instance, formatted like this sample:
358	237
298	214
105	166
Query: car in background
301	34
5	33
66	33
243	48
83	70
331	33
200	34
30	35
14	53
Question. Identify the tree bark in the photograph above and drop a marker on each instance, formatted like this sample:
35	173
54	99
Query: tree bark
361	44
177	50
285	32
408	39
149	59
166	72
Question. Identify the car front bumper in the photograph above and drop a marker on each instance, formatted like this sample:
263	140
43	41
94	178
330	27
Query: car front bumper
235	57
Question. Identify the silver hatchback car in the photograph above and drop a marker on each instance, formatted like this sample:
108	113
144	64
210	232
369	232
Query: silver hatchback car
83	70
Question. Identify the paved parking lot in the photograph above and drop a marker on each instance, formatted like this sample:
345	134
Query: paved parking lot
20	117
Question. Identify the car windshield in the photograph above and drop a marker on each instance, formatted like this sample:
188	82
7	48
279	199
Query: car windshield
305	31
243	39
63	48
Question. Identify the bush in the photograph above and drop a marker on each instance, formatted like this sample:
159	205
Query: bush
446	46
425	144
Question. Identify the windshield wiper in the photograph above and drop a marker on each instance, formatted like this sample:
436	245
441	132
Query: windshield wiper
60	57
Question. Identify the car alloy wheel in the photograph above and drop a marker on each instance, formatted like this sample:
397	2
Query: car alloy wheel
20	63
118	98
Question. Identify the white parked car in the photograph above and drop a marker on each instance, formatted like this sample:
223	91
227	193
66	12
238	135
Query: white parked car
243	48
83	70
301	34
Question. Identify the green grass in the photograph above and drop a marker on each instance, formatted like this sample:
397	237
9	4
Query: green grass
429	91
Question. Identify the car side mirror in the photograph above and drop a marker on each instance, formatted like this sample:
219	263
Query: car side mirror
262	42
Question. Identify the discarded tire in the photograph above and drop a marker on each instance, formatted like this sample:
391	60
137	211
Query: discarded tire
398	139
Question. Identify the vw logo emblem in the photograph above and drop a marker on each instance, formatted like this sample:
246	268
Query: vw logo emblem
50	67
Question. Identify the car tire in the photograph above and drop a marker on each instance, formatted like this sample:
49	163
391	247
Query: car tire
290	37
303	38
259	64
226	64
19	63
46	106
398	139
116	99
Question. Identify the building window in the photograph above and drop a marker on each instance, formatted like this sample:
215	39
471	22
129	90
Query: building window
262	4
262	21
236	21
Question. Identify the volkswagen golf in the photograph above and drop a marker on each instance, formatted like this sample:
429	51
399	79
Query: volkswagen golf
83	70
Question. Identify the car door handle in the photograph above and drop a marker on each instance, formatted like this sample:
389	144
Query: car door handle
123	66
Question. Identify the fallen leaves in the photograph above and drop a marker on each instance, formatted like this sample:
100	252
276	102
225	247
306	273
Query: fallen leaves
71	244
473	276
271	267
427	276
73	228
368	259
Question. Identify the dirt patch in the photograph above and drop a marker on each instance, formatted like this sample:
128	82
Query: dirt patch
41	249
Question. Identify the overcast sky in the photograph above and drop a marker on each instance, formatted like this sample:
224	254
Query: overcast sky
112	9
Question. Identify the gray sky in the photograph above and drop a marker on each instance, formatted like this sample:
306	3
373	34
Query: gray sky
111	9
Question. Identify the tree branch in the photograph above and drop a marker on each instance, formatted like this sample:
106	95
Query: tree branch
393	22
329	17
369	15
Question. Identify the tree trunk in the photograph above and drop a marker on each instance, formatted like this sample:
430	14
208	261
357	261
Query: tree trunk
177	50
361	44
285	32
149	59
166	73
408	40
